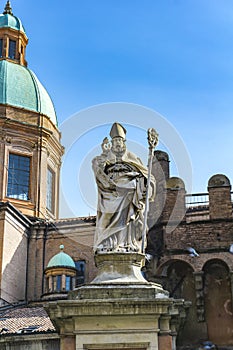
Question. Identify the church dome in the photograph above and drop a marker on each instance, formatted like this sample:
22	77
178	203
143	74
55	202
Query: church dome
9	21
20	87
61	259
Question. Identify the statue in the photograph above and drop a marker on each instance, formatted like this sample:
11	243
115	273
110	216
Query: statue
122	189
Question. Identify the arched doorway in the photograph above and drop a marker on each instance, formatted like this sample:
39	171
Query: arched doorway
180	283
218	302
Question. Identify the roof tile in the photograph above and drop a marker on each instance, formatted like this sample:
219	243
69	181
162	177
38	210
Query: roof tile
25	320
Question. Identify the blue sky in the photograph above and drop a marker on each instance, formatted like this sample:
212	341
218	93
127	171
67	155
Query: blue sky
172	56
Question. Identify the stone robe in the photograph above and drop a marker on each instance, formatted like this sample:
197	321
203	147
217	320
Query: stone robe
121	201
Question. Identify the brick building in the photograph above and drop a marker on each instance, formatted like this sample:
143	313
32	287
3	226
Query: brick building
32	268
202	222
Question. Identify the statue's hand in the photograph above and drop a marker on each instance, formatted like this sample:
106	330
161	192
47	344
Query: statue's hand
112	185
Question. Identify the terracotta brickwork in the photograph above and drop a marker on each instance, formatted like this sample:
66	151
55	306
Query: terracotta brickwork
204	279
68	342
76	235
164	342
160	167
220	203
174	208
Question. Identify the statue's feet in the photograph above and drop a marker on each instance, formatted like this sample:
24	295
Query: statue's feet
128	248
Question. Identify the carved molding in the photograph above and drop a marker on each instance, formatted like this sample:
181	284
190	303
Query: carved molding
23	143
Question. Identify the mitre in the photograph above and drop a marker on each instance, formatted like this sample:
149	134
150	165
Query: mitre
117	130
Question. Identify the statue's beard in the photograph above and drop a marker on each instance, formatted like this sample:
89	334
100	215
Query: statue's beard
118	150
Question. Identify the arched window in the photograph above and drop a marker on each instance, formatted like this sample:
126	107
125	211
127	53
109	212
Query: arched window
80	274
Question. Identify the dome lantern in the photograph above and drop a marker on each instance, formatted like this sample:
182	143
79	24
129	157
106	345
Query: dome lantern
8	9
13	39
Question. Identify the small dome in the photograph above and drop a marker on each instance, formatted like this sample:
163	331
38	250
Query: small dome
10	21
20	87
219	180
61	259
175	183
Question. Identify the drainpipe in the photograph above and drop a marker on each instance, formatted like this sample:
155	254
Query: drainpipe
44	247
27	262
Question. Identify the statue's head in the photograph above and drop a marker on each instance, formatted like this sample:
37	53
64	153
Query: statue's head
117	134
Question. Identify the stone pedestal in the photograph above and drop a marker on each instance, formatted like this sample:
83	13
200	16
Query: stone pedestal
119	309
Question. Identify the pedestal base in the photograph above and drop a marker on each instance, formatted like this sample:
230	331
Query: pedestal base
119	276
119	267
118	310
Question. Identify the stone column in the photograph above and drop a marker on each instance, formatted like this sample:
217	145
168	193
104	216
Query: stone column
63	282
5	46
200	307
173	333
231	279
67	342
165	337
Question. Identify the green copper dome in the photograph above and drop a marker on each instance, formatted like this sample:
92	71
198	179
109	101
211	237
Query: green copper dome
61	259
10	21
20	87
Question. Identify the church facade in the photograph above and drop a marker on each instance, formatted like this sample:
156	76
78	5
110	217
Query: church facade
44	257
